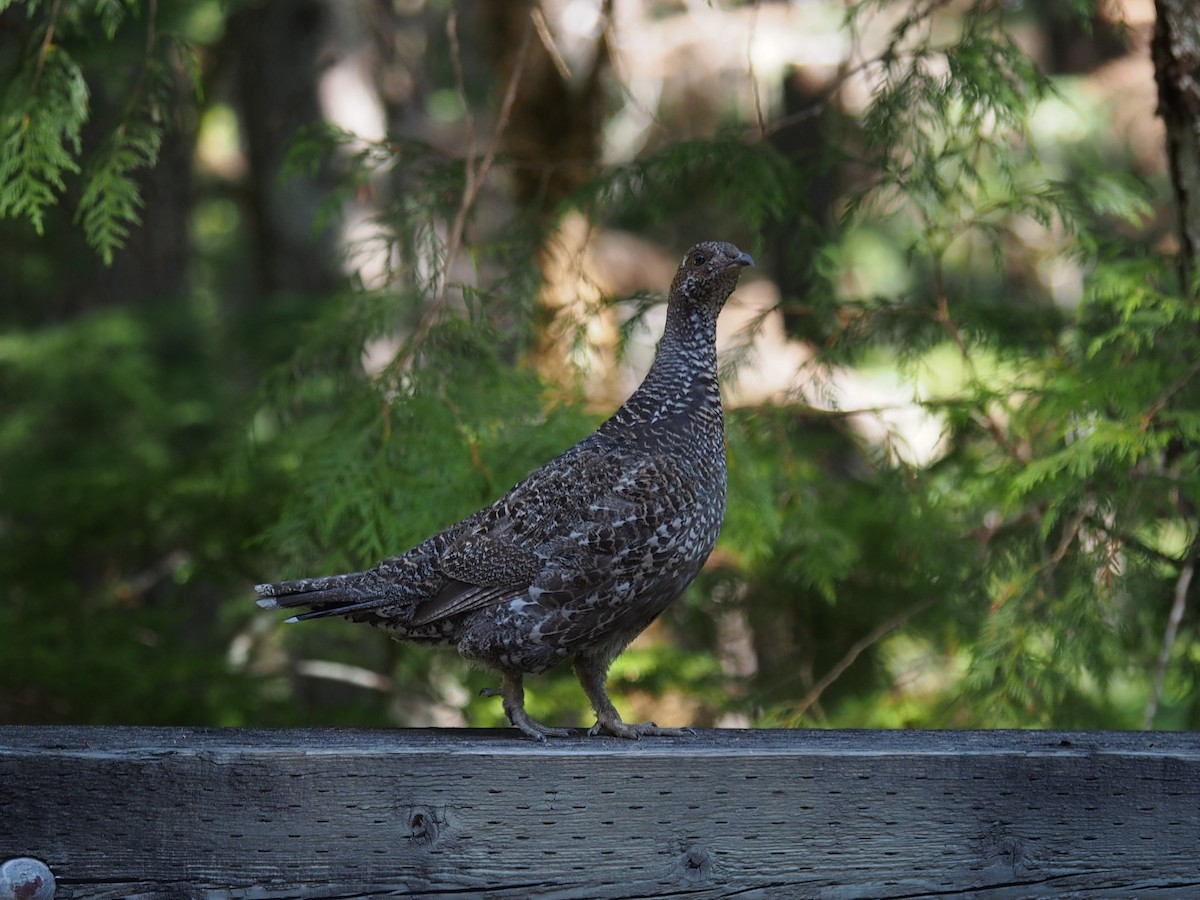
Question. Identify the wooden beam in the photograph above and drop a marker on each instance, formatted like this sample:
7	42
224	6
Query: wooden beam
177	812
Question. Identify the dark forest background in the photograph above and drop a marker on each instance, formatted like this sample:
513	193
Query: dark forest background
287	286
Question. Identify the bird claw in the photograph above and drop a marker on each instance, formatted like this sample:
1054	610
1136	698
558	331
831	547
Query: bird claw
535	729
635	730
540	732
490	692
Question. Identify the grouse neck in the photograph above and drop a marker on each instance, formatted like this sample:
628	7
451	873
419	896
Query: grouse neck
682	381
689	341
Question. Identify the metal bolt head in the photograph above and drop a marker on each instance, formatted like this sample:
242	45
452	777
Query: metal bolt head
26	879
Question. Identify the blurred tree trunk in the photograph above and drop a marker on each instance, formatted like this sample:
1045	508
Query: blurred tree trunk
552	141
279	47
1070	50
1175	50
806	141
1176	53
555	126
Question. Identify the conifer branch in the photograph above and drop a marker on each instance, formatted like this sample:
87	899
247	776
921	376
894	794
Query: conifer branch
460	85
547	41
947	323
47	42
1172	389
873	636
476	177
753	75
609	38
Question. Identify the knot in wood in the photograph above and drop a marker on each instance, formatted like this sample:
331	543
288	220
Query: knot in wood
1004	850
24	878
424	826
697	864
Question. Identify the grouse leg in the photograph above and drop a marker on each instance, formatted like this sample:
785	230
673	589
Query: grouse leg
512	692
592	674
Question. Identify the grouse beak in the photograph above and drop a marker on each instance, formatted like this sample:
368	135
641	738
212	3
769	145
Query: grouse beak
744	259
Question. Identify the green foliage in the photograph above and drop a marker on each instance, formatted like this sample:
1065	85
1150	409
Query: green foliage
43	113
415	454
45	108
110	201
1058	486
723	171
121	536
1018	569
112	13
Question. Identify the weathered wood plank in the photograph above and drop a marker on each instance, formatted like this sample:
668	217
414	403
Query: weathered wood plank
154	813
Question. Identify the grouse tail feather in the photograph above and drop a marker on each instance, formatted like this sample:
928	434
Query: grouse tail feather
335	595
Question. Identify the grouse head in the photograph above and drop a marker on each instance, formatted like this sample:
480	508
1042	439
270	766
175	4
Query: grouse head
708	275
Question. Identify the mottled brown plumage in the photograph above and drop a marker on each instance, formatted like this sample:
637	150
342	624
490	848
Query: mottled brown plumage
585	552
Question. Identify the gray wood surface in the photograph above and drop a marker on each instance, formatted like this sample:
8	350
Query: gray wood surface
190	813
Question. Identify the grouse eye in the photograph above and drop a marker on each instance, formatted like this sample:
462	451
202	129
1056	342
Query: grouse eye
699	259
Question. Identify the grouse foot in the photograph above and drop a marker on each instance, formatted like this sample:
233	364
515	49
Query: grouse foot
634	730
513	693
534	728
592	673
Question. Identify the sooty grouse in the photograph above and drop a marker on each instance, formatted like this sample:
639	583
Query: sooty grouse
584	553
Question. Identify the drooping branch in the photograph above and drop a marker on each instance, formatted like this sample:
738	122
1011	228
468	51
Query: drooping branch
1164	657
880	631
1176	54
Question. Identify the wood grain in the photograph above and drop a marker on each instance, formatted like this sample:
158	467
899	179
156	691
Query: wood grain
182	813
